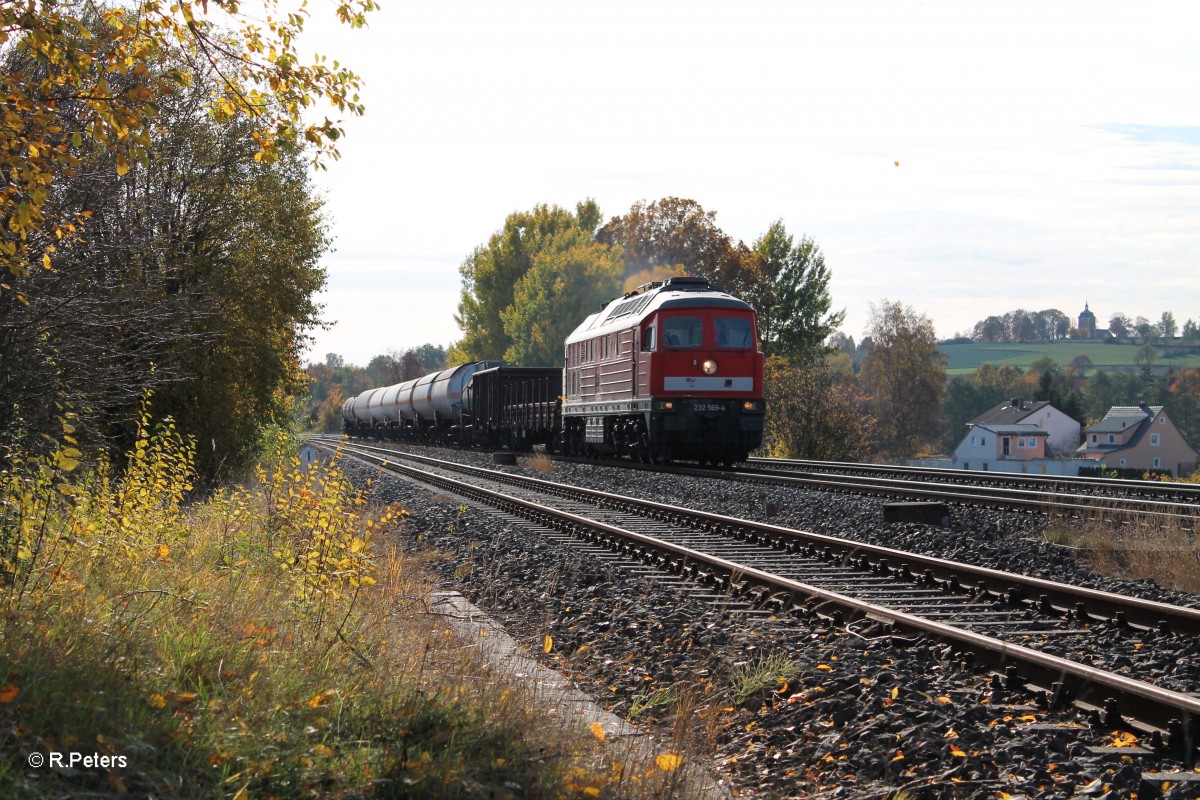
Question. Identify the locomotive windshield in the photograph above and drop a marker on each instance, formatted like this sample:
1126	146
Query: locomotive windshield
734	332
683	332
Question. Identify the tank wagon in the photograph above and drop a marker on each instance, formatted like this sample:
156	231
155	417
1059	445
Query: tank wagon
669	371
425	409
485	404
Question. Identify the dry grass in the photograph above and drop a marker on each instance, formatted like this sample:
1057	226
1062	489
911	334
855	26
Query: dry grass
541	462
1137	547
259	644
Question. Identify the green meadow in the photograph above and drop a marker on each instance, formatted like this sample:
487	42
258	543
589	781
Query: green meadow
964	358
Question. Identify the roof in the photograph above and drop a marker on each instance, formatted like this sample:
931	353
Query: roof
1010	412
1014	430
676	292
1122	418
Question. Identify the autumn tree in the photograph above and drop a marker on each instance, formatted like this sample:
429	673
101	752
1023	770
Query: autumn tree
571	276
677	234
1120	325
904	376
1190	331
490	275
99	63
791	295
196	277
813	413
1167	326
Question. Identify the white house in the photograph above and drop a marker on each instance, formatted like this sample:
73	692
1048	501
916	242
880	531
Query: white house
1021	436
1063	432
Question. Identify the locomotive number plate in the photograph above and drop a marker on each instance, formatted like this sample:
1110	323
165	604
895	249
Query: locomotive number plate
709	407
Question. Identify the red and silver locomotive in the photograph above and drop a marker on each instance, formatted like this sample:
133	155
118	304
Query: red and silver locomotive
669	371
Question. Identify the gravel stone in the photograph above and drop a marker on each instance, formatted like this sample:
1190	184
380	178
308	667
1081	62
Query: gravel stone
862	718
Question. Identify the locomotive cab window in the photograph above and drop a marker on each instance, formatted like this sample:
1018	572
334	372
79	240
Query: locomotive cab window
648	338
734	332
683	332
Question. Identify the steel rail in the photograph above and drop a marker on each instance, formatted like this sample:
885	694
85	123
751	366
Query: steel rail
1070	681
1015	588
1050	484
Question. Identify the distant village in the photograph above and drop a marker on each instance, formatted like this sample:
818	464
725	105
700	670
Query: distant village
1034	437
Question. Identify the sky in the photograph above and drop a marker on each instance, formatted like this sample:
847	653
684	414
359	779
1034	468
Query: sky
965	159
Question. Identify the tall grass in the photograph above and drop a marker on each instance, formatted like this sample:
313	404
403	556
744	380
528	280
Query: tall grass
261	643
1126	545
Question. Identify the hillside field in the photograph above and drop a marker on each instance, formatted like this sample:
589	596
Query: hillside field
964	358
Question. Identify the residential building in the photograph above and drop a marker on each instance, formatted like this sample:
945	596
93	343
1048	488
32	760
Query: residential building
1021	436
1062	429
1138	437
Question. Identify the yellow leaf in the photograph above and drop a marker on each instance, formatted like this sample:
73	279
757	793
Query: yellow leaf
668	762
944	700
46	260
597	730
122	164
899	756
824	667
547	644
591	791
9	693
954	751
157	700
895	692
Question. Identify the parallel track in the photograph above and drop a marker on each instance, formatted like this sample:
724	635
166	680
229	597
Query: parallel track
1181	509
1044	484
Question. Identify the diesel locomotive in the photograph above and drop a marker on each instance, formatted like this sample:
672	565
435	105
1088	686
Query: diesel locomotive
668	371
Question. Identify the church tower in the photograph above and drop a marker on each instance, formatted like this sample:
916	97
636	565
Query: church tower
1087	323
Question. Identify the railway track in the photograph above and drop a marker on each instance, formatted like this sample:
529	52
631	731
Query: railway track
1047	485
1020	628
1180	507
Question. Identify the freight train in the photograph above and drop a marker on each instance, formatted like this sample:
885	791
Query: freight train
668	371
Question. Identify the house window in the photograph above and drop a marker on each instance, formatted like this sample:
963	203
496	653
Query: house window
1157	463
1162	420
1094	438
1123	462
1154	440
1112	439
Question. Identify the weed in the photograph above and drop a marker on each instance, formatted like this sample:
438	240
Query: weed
1060	535
539	462
259	643
658	698
766	673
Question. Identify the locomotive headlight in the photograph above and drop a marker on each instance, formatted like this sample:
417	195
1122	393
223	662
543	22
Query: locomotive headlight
664	405
753	405
709	366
